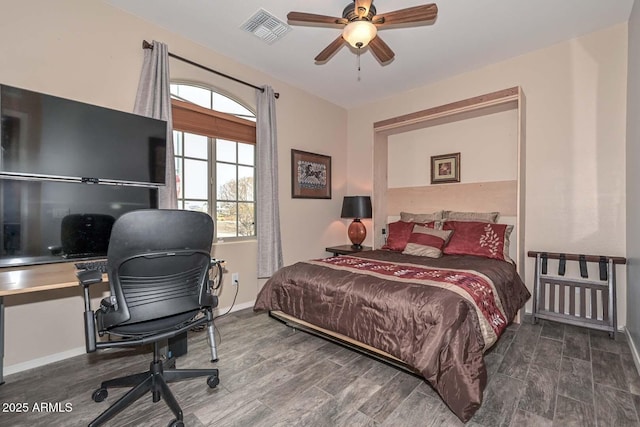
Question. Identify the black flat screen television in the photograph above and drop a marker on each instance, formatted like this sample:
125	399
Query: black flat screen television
49	221
68	170
44	136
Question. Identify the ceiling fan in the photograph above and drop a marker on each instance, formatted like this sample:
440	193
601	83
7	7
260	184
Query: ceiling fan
361	24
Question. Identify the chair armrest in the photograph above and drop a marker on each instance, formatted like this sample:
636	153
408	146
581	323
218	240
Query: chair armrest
210	300
86	279
89	277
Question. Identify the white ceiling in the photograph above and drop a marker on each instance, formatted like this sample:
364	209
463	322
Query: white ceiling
465	36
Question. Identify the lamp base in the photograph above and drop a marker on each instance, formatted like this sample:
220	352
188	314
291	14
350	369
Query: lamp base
357	233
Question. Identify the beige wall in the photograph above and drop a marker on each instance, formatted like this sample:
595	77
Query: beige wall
633	180
489	155
89	51
575	140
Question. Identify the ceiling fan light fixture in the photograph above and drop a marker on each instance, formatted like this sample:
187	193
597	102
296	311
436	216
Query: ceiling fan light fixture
359	33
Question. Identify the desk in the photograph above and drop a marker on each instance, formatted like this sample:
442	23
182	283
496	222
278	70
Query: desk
34	278
45	277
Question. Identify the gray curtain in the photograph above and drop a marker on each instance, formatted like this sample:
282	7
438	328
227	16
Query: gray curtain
268	211
154	100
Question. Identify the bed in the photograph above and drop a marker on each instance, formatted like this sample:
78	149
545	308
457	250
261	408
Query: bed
434	316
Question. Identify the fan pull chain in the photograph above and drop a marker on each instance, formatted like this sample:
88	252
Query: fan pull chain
358	58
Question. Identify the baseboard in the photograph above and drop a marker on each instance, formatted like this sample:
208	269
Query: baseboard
236	307
634	350
57	357
41	361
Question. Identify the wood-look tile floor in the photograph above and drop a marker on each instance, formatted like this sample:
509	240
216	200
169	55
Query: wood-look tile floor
539	375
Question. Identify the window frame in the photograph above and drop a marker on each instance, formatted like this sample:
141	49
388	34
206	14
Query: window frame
216	125
182	158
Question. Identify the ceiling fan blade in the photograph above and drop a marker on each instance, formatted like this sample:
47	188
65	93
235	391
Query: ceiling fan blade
381	50
330	50
315	19
422	13
362	7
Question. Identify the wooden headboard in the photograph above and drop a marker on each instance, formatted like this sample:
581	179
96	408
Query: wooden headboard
499	196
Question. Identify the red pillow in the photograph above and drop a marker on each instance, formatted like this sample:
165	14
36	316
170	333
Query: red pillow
427	242
399	233
479	239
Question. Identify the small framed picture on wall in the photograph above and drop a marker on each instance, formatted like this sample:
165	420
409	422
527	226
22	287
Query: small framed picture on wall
445	168
310	175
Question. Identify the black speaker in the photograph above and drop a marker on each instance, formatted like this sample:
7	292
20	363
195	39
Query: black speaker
178	345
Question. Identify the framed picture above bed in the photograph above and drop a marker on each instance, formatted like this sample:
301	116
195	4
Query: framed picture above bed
310	175
445	168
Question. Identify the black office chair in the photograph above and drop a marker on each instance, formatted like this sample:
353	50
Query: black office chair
158	265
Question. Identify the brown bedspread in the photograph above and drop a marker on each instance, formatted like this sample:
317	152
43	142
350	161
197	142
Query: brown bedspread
431	325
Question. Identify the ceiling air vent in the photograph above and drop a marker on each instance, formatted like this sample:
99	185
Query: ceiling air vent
266	27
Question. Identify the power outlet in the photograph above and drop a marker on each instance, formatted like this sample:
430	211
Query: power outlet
235	278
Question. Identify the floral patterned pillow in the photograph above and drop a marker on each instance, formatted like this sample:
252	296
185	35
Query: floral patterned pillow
478	238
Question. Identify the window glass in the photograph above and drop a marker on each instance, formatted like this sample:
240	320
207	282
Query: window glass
179	178
226	151
246	219
226	220
196	205
195	146
246	154
177	143
226	182
195	179
197	95
245	183
228	105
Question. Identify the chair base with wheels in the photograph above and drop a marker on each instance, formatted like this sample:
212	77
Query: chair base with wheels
155	381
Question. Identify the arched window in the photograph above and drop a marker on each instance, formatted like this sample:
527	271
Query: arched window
214	147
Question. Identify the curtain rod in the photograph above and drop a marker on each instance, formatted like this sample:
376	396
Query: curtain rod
147	45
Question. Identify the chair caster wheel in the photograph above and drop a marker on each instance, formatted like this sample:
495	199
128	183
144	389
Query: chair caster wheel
213	381
100	394
176	423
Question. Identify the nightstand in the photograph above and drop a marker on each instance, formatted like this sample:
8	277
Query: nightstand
346	249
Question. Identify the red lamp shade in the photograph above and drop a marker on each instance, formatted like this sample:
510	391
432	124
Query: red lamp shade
356	207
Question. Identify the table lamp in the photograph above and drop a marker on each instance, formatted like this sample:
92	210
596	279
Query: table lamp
356	207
